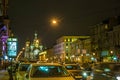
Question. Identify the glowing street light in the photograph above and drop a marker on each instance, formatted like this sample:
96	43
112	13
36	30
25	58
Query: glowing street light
54	21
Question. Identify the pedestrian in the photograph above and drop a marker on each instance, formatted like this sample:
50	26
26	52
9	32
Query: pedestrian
9	69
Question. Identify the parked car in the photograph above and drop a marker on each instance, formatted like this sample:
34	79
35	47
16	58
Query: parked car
21	70
77	71
106	71
47	71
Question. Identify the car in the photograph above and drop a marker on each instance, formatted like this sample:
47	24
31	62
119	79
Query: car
77	71
47	71
21	70
106	71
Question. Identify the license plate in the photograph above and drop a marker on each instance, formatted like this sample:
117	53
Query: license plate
78	76
89	77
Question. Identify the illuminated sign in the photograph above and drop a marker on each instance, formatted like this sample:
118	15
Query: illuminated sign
12	47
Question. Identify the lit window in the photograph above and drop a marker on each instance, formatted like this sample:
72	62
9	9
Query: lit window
64	40
106	26
66	46
68	40
72	40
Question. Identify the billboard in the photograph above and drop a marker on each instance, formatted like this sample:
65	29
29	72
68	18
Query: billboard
12	47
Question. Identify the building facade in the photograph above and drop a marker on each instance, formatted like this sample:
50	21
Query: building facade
4	31
69	47
105	38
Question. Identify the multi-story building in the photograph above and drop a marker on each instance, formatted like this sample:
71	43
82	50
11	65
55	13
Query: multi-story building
65	49
81	50
4	31
114	41
103	38
99	39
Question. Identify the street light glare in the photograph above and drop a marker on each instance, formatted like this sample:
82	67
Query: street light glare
54	21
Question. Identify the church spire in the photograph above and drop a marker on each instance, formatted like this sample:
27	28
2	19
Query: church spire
36	35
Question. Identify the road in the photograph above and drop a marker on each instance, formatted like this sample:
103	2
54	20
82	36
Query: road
4	75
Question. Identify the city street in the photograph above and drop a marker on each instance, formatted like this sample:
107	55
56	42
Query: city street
4	75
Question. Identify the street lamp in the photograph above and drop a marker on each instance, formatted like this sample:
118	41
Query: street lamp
54	22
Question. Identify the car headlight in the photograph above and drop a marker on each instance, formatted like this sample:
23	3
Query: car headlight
84	74
118	77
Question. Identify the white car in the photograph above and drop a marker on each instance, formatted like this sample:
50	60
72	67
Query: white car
47	71
21	70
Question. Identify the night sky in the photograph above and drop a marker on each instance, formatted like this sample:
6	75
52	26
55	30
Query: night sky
75	17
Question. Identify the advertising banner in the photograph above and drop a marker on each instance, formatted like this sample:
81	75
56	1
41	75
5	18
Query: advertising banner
12	47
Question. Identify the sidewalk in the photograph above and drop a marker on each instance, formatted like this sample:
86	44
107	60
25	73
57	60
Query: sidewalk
4	75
